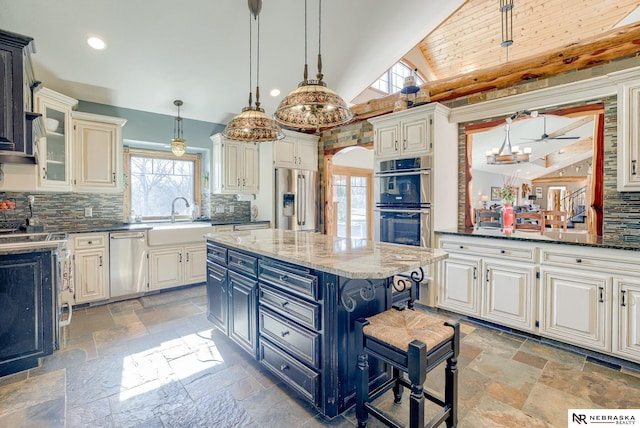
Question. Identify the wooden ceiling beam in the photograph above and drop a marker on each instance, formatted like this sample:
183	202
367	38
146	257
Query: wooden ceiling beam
602	48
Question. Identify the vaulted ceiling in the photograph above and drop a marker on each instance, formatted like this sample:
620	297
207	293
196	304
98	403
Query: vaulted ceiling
197	51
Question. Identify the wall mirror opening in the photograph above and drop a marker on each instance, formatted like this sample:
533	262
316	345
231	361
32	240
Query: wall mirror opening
555	156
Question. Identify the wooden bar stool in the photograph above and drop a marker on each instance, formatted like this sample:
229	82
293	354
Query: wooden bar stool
412	342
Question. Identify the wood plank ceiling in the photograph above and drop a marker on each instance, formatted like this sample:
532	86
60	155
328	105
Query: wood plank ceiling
464	54
469	40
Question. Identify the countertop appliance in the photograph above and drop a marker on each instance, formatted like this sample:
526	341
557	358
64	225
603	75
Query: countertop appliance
127	263
295	192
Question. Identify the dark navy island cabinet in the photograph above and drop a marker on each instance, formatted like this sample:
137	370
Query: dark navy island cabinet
297	322
26	310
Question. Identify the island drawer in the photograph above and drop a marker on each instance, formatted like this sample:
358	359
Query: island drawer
89	241
216	253
243	263
495	249
588	258
288	278
301	311
300	342
295	374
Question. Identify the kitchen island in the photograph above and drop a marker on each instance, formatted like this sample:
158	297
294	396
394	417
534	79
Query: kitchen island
290	299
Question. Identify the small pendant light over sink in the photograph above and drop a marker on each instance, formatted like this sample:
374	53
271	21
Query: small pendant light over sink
253	124
178	146
312	105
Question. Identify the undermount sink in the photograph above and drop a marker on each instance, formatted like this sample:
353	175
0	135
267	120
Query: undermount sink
178	233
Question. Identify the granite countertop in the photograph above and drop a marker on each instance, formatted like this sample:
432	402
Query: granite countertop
351	258
550	237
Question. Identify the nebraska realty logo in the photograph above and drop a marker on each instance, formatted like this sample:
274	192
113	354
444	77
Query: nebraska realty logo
603	417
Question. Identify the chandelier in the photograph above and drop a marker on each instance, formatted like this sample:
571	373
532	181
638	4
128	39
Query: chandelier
178	144
253	124
508	154
312	105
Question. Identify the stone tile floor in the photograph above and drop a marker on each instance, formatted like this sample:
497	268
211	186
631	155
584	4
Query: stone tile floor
156	361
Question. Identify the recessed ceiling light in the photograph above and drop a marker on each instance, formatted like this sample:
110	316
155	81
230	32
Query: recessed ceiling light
274	92
96	42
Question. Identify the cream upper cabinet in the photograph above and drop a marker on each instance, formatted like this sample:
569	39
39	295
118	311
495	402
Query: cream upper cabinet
236	166
296	150
97	149
629	131
407	133
54	150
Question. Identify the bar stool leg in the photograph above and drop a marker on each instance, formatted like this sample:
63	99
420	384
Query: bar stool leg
362	375
417	371
397	387
451	377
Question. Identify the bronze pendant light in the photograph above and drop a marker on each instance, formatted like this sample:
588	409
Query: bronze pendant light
178	144
312	105
253	124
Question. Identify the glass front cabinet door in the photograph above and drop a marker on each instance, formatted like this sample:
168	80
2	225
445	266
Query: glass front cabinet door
54	156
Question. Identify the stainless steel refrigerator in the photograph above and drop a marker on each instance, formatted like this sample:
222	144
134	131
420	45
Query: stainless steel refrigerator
296	199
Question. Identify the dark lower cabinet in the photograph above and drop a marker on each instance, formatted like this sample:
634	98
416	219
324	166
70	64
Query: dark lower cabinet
298	322
26	310
242	311
217	302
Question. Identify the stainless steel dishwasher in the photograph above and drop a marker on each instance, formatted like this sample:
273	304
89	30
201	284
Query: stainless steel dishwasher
128	262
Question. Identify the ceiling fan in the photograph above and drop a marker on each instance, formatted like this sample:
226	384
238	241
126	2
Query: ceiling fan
551	136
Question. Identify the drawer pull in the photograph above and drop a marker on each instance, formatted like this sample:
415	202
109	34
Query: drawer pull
284	367
285	333
241	262
90	242
284	304
502	251
578	260
462	247
284	278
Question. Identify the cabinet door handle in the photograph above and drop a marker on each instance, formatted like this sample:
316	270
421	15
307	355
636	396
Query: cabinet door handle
285	333
475	272
238	182
601	294
487	275
44	173
284	367
187	257
180	258
633	167
113	177
404	144
395	145
624	292
100	261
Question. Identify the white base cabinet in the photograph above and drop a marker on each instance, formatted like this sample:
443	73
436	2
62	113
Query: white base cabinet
583	296
576	307
626	309
90	267
474	281
176	266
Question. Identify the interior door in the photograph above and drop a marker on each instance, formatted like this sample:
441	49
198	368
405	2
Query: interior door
351	203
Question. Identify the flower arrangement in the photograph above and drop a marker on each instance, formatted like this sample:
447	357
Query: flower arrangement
508	190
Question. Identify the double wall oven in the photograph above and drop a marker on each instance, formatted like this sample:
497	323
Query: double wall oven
403	201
